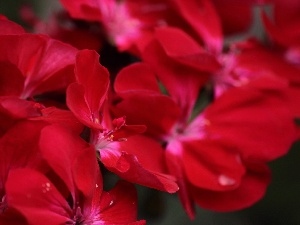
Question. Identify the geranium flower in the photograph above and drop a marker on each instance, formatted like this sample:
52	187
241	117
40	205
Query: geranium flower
77	197
86	99
224	148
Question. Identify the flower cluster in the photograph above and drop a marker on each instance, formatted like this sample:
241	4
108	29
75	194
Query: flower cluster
184	111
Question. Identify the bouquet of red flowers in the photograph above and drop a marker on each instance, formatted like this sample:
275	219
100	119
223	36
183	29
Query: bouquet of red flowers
149	92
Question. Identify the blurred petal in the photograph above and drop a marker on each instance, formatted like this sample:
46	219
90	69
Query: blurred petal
252	189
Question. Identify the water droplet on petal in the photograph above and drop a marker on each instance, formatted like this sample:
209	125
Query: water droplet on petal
46	187
111	202
225	180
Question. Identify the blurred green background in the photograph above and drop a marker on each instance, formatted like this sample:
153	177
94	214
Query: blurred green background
280	206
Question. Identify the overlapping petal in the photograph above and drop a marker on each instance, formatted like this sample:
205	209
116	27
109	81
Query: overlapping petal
252	113
85	97
251	189
131	160
183	69
44	63
42	201
117	210
202	17
211	165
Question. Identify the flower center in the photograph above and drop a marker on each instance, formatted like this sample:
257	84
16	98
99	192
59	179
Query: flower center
193	131
78	217
104	139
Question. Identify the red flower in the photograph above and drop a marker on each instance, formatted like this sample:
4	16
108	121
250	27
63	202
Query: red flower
77	196
86	99
216	150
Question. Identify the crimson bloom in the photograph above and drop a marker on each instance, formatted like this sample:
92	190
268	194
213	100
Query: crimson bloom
77	197
221	151
86	99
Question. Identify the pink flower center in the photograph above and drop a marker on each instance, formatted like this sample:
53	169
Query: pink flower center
193	131
104	139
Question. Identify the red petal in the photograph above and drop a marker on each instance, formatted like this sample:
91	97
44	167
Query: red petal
93	77
211	165
38	58
77	104
252	189
174	164
146	149
203	18
157	112
122	207
235	22
86	173
128	167
189	52
83	9
12	217
19	108
182	82
11	80
65	118
38	199
59	148
137	76
8	27
19	148
260	123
